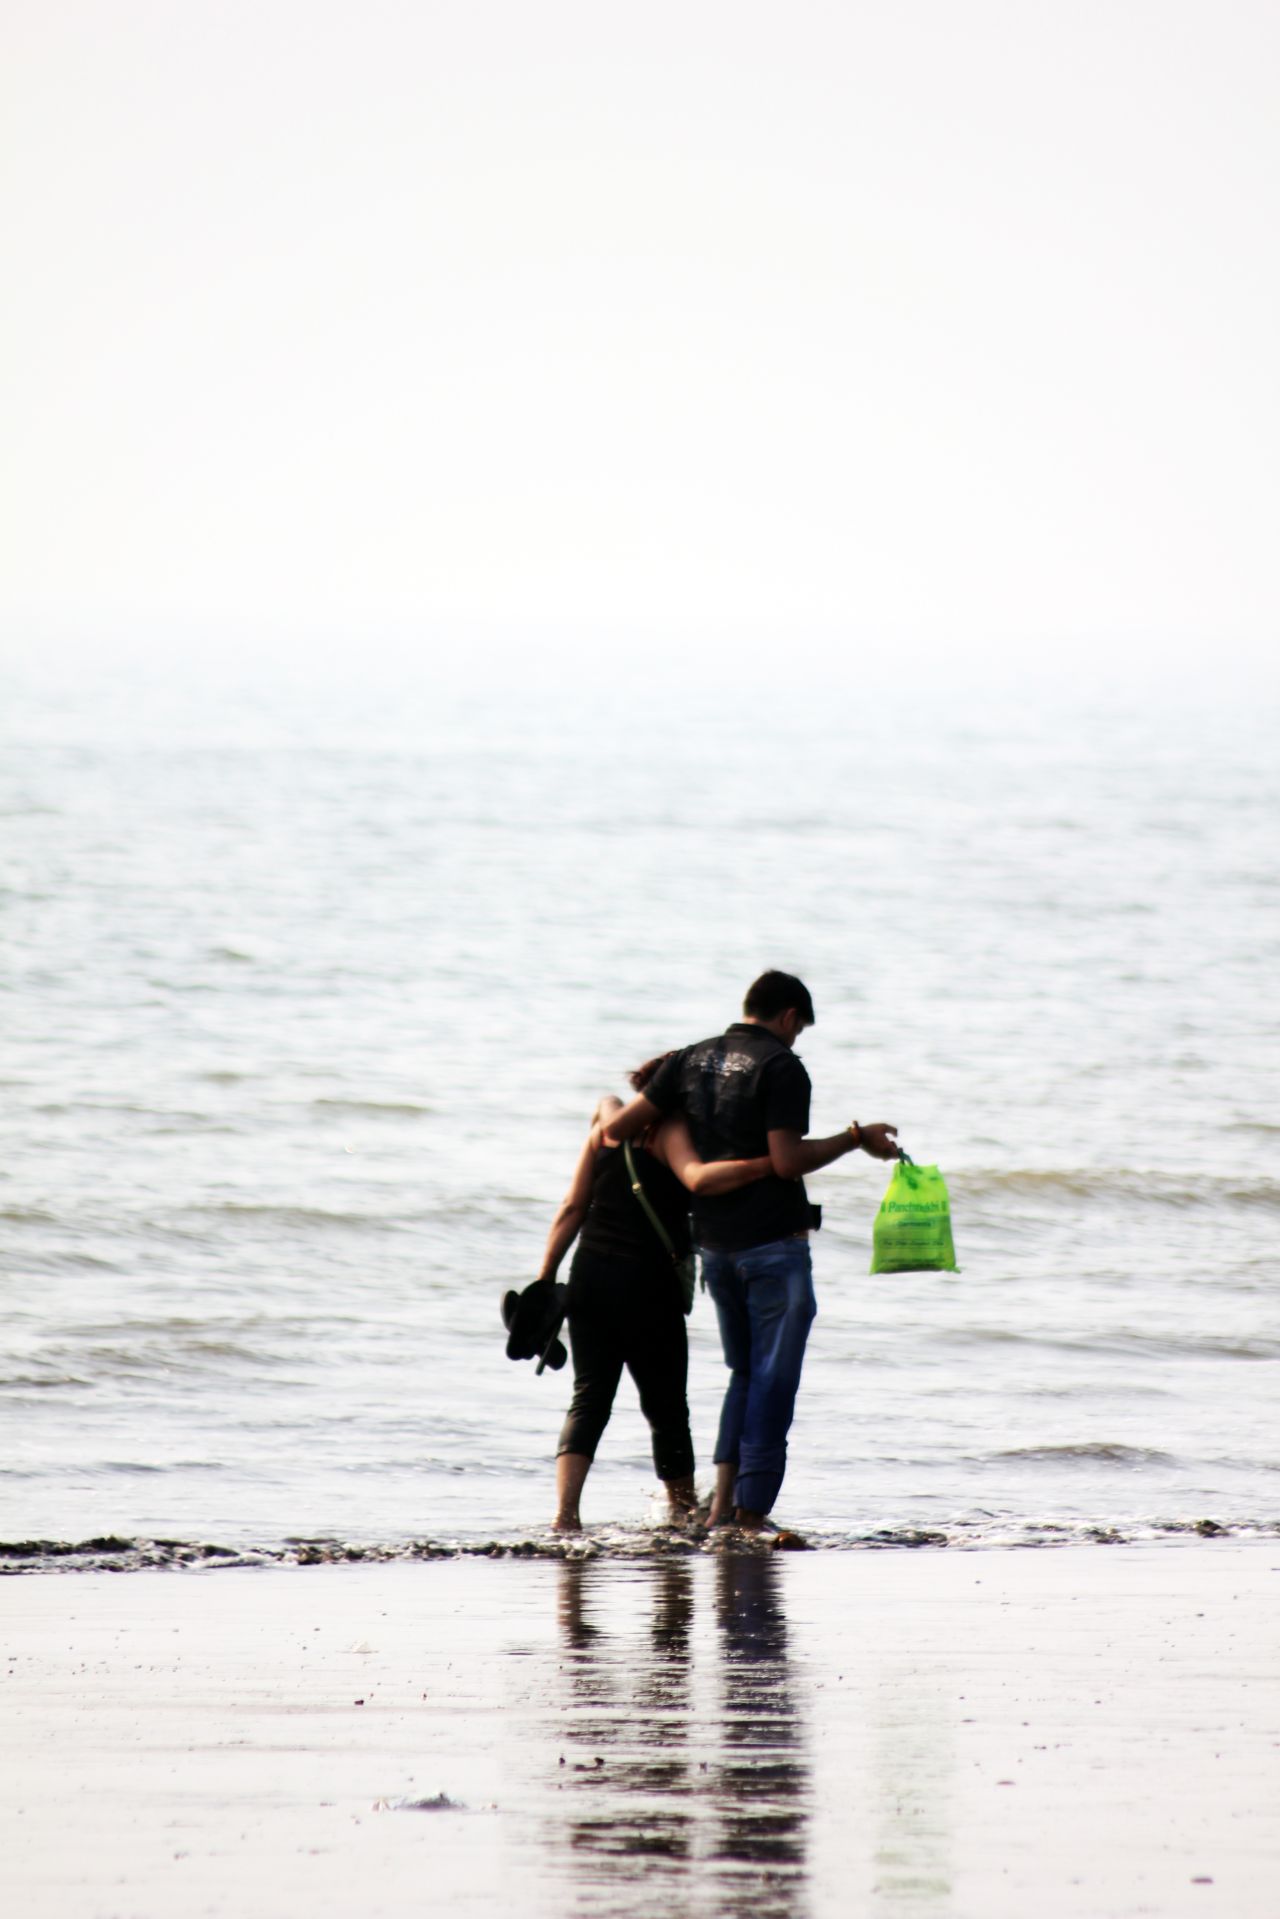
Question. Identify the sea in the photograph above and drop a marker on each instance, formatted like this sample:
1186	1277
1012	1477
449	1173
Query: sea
310	982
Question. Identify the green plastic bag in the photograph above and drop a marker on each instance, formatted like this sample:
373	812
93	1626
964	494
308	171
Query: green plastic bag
913	1227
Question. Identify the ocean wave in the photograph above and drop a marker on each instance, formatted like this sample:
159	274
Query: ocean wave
163	1121
250	1213
40	1382
1117	1340
1128	1186
1106	1451
376	1108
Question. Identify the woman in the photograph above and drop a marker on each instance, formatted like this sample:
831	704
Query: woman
625	1302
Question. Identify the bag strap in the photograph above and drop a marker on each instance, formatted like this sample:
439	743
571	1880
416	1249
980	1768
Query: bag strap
633	1174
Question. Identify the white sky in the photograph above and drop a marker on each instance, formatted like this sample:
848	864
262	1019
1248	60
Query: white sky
955	319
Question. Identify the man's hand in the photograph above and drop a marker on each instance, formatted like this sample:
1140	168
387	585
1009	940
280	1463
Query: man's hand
794	1157
879	1140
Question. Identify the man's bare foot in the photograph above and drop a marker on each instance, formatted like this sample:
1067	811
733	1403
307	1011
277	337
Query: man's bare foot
780	1538
566	1523
722	1497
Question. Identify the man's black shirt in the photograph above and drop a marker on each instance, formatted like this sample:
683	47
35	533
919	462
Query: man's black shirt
734	1091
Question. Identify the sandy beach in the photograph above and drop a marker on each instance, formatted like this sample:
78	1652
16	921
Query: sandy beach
1084	1731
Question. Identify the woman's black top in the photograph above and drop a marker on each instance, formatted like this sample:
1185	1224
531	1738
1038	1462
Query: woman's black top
616	1222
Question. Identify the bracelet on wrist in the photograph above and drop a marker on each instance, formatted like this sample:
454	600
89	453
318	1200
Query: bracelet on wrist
855	1132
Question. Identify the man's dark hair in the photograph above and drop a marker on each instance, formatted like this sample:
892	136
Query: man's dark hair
774	993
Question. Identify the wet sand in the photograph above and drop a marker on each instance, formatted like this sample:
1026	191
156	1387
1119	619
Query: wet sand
1091	1731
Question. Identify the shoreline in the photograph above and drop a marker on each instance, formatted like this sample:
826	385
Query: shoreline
119	1554
972	1734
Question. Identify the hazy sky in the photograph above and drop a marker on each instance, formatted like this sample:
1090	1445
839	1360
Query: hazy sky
956	320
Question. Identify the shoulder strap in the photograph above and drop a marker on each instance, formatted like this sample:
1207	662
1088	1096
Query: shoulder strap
633	1174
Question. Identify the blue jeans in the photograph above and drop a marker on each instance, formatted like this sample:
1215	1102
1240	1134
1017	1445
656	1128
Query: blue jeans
765	1304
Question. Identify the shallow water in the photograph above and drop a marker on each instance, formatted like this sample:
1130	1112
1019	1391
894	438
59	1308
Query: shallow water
307	996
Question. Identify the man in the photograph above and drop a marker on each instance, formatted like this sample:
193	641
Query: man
744	1093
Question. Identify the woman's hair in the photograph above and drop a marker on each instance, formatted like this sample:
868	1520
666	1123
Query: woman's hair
643	1074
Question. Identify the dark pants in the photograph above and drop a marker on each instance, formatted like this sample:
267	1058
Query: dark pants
624	1314
765	1304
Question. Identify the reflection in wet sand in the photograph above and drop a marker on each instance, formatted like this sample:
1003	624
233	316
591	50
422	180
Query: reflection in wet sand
627	1731
684	1769
762	1780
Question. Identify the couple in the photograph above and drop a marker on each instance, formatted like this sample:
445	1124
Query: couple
723	1121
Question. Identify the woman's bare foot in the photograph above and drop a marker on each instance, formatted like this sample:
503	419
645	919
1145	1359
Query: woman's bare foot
682	1501
571	1476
